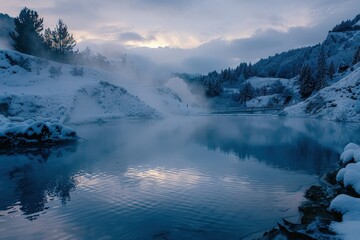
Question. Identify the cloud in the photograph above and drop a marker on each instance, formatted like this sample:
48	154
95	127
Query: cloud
200	35
131	36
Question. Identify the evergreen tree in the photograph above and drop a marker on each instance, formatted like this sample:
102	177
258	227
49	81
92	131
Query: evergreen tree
60	41
213	86
250	71
321	70
356	57
306	82
331	70
241	78
246	93
27	37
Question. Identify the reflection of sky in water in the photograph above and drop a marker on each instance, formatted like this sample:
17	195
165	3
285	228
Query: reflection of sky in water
197	177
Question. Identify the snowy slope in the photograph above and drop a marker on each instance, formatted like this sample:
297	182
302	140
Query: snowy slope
338	102
67	98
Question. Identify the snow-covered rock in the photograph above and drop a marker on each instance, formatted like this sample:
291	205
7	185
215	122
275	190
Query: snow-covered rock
30	132
351	152
348	206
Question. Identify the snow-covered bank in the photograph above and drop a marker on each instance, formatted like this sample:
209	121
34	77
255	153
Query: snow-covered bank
348	206
33	133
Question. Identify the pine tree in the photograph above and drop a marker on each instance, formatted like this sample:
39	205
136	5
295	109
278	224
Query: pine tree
27	37
60	41
356	57
331	70
250	71
306	81
321	70
246	93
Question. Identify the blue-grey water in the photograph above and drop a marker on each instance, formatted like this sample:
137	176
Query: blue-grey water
200	177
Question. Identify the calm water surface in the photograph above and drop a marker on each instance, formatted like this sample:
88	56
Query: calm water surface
208	177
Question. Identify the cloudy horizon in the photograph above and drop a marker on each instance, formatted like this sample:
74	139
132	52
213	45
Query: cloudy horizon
193	36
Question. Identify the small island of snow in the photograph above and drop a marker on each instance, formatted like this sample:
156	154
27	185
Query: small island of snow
34	133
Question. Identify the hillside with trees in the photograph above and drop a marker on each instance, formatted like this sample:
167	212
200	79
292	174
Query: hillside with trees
310	69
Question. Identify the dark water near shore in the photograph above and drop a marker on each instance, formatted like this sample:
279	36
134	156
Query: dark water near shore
208	177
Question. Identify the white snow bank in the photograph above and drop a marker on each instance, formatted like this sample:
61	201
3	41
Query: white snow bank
32	132
348	206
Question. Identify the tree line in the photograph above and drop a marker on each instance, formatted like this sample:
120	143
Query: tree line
348	25
312	77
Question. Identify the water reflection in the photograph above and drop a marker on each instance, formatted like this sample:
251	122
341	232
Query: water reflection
31	177
299	145
163	175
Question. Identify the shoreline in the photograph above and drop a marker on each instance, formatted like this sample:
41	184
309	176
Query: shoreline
319	212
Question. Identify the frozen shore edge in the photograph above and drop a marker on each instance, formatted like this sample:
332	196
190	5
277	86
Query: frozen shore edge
332	208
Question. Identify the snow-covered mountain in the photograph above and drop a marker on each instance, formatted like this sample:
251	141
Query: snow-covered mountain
340	45
275	81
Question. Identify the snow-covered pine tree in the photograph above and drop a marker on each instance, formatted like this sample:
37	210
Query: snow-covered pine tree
60	41
321	69
331	70
246	92
356	57
27	37
306	82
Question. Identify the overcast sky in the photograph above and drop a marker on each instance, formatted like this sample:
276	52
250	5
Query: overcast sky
193	35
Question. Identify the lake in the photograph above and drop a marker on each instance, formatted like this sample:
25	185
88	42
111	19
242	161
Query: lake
196	177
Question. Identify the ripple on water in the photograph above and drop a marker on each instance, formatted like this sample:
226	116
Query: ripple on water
186	181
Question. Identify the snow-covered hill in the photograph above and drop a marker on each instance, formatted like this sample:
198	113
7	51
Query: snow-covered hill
339	101
28	90
339	47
